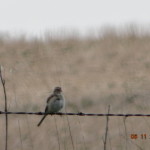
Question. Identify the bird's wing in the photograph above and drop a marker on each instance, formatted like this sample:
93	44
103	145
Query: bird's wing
52	97
46	109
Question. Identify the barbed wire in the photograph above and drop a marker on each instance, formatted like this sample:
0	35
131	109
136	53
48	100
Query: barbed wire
76	114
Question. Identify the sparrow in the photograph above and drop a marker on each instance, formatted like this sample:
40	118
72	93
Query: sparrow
55	102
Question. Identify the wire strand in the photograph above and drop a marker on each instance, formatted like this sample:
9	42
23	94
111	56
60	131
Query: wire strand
76	114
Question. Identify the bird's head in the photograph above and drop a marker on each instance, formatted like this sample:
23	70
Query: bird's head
57	90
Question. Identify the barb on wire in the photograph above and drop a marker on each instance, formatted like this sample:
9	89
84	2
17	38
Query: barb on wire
76	114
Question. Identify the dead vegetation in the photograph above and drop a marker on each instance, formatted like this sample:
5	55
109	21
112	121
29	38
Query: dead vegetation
93	72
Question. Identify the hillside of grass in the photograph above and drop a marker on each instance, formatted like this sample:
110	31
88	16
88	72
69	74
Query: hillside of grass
93	73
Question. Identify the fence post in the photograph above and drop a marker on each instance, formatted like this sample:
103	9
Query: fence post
106	131
6	115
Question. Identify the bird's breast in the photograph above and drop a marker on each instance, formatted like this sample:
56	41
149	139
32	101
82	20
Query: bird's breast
56	105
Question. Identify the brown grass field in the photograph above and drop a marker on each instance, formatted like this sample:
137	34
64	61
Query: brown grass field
94	73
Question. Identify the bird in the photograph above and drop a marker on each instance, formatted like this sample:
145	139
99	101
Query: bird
55	102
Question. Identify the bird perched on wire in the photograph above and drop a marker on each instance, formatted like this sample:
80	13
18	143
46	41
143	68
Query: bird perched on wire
55	102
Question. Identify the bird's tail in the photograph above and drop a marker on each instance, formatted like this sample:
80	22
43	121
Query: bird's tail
41	120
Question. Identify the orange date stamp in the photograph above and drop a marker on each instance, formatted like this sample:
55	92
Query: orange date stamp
143	136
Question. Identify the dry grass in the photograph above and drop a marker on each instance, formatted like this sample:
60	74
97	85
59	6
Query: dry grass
94	73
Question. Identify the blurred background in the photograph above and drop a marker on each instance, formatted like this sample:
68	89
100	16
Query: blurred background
97	51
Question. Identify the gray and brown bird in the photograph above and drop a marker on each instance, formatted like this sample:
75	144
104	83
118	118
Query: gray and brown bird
55	102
